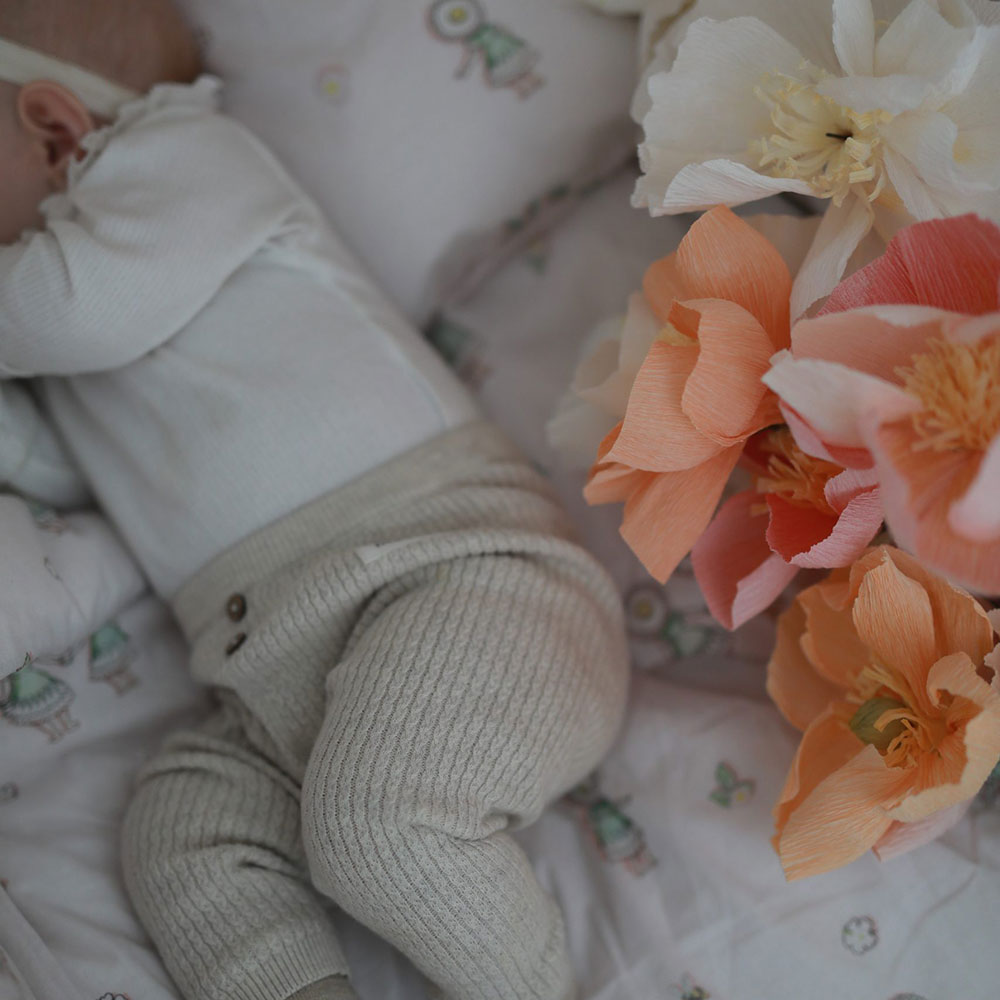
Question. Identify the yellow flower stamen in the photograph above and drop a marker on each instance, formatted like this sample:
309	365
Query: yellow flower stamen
959	387
888	718
793	475
834	149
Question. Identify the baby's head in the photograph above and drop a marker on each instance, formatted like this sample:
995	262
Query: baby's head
134	43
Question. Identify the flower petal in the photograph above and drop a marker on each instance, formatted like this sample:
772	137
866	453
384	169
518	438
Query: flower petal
801	694
834	399
696	187
842	229
738	574
918	490
811	443
833	541
952	264
976	515
960	622
846	485
919	199
641	328
963	760
834	820
831	641
902	838
724	391
854	36
691	123
893	618
684	502
656	434
899	95
723	257
865	341
919	42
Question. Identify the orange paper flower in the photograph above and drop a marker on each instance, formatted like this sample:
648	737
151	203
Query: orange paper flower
892	674
722	302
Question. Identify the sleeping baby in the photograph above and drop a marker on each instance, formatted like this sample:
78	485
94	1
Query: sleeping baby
410	655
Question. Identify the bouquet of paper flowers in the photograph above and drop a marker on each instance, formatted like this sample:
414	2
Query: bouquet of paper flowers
766	414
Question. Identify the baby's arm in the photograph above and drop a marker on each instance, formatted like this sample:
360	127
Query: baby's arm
142	241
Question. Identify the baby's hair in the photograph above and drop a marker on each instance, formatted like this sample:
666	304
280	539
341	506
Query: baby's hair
137	43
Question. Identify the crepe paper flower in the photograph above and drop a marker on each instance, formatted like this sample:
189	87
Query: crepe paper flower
598	396
892	675
950	264
722	303
889	121
914	392
804	512
616	348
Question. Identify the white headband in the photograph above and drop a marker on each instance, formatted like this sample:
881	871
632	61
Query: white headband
21	65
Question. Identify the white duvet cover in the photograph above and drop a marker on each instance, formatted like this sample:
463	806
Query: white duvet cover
661	863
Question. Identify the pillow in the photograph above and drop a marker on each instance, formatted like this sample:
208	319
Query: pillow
417	122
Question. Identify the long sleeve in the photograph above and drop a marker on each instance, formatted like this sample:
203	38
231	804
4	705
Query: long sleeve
151	227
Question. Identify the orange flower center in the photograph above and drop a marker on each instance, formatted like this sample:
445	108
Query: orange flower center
888	719
959	387
793	475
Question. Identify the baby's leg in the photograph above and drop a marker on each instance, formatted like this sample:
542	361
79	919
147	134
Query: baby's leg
214	865
464	704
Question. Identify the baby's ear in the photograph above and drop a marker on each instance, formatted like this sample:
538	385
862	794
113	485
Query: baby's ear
56	120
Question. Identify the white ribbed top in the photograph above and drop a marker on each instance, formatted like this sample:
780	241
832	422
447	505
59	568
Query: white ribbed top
216	358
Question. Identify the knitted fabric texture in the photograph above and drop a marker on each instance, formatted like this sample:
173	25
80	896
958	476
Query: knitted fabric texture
423	660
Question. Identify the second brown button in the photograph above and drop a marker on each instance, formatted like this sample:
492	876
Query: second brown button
236	608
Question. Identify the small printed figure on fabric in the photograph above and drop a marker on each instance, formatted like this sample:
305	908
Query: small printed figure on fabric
537	255
688	989
859	935
508	61
63	659
460	348
114	996
32	697
730	789
616	837
8	792
649	615
111	658
47	518
332	83
907	996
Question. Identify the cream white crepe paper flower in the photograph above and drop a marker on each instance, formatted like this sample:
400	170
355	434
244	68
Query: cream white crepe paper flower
890	111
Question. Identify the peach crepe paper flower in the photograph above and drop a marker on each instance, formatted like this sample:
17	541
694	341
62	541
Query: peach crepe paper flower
804	513
913	391
892	674
722	304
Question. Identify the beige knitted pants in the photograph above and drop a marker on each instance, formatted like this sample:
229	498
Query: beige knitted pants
444	666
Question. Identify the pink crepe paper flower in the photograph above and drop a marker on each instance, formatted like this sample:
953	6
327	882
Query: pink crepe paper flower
913	391
804	513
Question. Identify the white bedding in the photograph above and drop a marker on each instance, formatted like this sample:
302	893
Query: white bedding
682	898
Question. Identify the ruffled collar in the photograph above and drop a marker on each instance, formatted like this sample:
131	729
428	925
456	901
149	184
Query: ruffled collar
203	93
